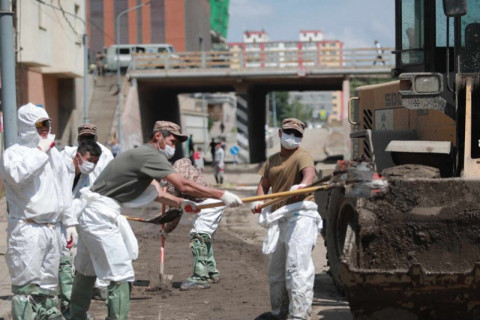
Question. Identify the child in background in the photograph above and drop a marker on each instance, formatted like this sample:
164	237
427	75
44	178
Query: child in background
198	160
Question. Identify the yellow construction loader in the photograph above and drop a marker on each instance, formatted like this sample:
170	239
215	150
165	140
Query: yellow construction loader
412	249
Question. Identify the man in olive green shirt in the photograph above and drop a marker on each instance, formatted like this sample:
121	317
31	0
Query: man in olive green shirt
291	272
107	245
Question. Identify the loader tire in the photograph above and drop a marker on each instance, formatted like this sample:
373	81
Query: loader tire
342	218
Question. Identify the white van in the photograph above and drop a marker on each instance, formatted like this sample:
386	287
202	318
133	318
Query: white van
125	52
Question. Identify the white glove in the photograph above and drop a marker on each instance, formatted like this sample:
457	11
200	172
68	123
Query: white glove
298	186
45	144
231	200
72	237
189	206
255	206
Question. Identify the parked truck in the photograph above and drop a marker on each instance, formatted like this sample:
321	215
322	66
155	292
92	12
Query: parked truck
412	249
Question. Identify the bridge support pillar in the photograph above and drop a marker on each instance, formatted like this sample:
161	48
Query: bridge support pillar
251	119
158	105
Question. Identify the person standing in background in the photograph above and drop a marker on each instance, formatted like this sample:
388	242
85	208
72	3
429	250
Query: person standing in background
219	163
198	160
213	148
379	57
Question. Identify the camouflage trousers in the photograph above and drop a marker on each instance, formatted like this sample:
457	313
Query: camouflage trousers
204	265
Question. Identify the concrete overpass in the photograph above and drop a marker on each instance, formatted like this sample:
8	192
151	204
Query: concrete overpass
156	89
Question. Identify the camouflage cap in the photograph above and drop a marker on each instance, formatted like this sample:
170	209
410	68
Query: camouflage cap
185	168
87	129
171	127
292	123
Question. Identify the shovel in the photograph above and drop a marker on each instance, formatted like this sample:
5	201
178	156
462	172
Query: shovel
165	279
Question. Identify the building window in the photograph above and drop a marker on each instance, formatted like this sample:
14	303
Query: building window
42	17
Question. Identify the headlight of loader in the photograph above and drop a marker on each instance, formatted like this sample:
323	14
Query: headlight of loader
421	83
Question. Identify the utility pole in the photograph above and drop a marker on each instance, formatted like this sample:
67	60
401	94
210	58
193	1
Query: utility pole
274	109
7	55
119	85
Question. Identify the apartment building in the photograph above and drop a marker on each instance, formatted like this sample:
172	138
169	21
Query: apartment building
50	55
257	51
185	24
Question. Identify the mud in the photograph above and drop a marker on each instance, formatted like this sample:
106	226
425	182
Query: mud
416	249
432	222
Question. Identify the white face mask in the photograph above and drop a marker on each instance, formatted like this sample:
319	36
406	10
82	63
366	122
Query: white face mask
289	141
168	152
86	167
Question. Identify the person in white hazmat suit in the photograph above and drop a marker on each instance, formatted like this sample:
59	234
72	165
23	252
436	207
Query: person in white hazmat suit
80	162
107	244
292	226
87	133
38	203
205	224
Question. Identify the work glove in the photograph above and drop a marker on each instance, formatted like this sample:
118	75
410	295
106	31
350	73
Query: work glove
189	206
231	200
45	144
297	186
72	237
255	206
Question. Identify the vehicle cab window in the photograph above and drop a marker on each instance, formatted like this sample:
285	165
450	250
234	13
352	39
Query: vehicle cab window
412	26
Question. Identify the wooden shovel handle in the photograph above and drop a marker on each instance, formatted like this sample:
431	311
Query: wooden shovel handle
272	202
267	196
135	219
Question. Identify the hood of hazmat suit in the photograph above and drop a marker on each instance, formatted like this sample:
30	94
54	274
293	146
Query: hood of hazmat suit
27	116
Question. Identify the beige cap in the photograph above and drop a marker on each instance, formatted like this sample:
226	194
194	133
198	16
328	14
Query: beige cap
87	129
171	127
292	123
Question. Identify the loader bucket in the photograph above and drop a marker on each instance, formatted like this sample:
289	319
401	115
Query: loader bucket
414	252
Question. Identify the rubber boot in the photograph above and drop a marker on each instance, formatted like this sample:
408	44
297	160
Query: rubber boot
213	272
118	301
32	302
65	282
22	307
200	278
81	296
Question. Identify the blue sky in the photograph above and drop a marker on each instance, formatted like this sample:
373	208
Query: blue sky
356	23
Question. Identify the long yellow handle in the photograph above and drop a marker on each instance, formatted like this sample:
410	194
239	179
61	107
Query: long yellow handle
135	219
272	202
268	196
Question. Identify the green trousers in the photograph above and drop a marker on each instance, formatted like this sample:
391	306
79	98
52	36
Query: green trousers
204	265
34	303
118	300
65	282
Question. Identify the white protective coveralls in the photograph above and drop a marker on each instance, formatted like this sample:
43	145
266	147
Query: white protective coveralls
37	202
114	264
104	159
86	181
291	237
207	220
66	271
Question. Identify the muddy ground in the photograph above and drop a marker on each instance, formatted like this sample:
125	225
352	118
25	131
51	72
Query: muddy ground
242	292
